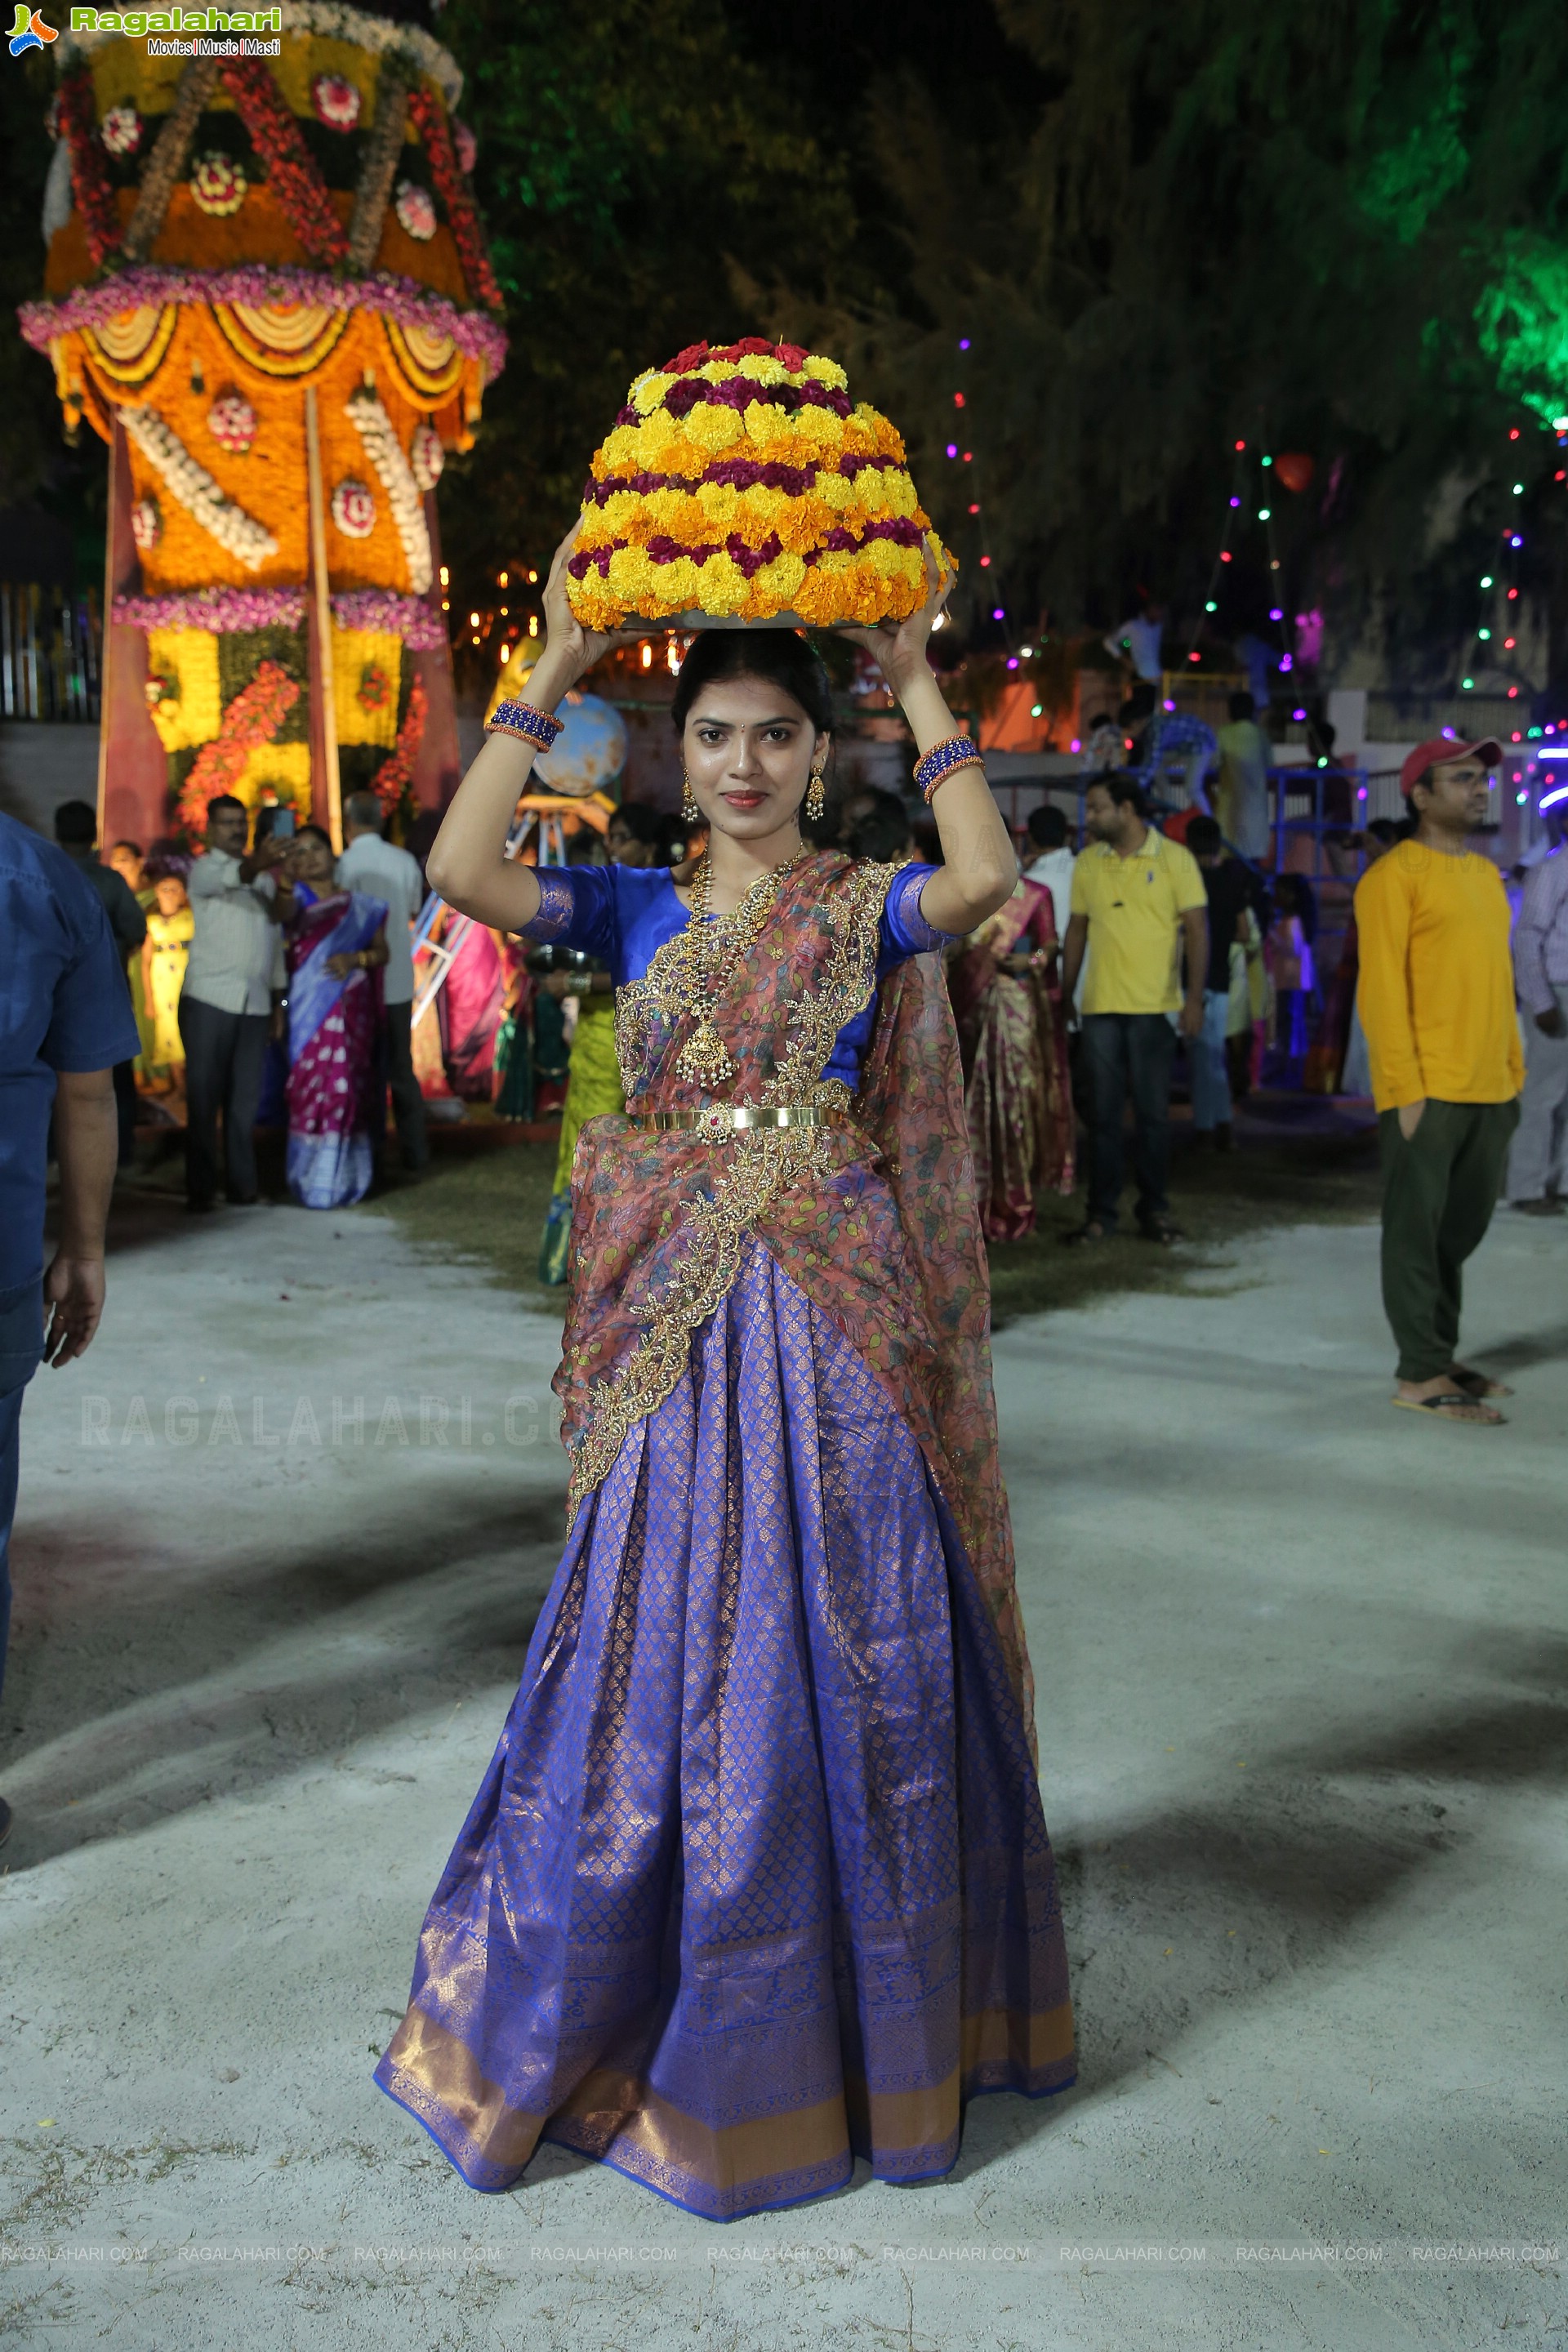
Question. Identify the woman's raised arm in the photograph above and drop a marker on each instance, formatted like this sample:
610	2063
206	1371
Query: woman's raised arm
981	871
467	866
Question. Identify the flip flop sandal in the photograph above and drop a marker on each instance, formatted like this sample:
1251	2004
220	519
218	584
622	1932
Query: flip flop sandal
1478	1385
1450	1397
1160	1230
1082	1234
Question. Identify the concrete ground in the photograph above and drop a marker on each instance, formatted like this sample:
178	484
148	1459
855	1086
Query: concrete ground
1300	1662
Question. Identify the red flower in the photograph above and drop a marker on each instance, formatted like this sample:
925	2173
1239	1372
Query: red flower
395	773
291	170
429	118
90	175
694	356
253	718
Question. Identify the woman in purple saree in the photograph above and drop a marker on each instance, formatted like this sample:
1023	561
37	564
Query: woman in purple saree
334	946
758	1881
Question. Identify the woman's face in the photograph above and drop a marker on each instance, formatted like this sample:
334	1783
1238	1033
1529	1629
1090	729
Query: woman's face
310	861
749	749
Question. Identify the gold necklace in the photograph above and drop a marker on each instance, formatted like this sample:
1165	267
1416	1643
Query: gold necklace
704	1059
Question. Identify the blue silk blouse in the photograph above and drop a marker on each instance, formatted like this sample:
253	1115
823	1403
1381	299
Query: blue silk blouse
624	914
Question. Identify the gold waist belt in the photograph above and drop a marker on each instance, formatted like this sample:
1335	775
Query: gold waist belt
733	1118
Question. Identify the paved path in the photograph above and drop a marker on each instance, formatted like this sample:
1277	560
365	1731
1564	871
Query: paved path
1300	1662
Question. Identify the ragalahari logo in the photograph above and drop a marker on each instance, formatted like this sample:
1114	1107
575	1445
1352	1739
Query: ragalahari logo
30	31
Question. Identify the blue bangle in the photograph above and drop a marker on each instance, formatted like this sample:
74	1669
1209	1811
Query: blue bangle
957	752
522	719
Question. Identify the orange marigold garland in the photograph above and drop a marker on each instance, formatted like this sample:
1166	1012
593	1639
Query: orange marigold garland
291	169
252	718
395	773
91	184
424	111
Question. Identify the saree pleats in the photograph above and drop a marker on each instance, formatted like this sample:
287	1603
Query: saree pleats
758	1880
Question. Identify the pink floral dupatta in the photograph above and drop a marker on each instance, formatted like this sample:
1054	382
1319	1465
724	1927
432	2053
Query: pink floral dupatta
874	1219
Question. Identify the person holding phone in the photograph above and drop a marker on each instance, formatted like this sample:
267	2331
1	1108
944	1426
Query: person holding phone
226	1003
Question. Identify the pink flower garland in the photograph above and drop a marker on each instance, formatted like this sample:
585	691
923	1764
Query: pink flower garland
224	611
156	284
421	625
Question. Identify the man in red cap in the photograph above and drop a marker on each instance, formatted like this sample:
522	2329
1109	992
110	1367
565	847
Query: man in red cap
1436	1002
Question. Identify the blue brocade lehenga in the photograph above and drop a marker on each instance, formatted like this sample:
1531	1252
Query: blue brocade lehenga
758	1880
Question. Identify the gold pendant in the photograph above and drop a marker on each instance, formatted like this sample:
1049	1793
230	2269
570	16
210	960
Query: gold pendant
702	1059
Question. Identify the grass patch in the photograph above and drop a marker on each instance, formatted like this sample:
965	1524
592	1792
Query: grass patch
481	1207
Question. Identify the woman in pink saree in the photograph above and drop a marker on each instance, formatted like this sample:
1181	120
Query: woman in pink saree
335	946
758	1881
1005	984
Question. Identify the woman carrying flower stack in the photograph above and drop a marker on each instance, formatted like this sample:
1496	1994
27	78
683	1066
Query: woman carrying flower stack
758	1881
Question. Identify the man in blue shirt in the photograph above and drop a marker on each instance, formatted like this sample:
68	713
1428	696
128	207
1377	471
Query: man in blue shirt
64	1021
76	830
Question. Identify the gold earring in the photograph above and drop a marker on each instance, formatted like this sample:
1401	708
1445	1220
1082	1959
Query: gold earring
689	812
815	798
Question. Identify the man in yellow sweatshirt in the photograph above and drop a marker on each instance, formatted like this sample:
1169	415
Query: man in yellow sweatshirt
1437	1004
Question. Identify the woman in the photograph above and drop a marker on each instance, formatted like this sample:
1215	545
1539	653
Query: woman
594	1073
758	1879
335	946
1011	1032
166	952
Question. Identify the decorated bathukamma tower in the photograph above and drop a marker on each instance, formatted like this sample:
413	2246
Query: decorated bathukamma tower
268	290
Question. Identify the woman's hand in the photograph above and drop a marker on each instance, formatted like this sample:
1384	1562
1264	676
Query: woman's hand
570	649
899	647
339	966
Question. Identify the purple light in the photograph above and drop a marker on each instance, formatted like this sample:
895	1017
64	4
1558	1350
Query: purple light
1236	502
964	343
953	448
1275	613
1013	662
997	614
1360	791
1450	735
1550	800
1298	715
1514	539
1286	664
1169	706
1077	746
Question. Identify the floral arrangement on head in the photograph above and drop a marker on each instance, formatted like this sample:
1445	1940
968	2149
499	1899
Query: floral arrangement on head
740	481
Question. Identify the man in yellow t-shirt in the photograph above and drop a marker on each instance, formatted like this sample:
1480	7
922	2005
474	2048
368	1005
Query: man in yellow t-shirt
1138	901
1437	1004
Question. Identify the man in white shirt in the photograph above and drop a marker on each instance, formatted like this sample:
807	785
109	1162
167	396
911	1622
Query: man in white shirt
226	1003
1139	641
375	865
1053	862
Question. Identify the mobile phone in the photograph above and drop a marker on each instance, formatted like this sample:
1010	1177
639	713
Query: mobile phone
282	824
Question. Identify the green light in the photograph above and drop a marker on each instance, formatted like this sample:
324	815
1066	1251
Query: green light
1483	635
1487	581
1322	763
1268	461
1211	606
1467	683
1035	709
1533	732
1518	490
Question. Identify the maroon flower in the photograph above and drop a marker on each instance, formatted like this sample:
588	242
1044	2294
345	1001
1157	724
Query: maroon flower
695	356
749	560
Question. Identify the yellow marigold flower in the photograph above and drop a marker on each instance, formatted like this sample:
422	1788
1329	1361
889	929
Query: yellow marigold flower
723	585
827	371
762	369
817	434
598	530
858	438
766	421
648	391
838	493
714	429
619	450
652	444
719	503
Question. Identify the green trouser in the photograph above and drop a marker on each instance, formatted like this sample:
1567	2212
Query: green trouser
1439	1189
